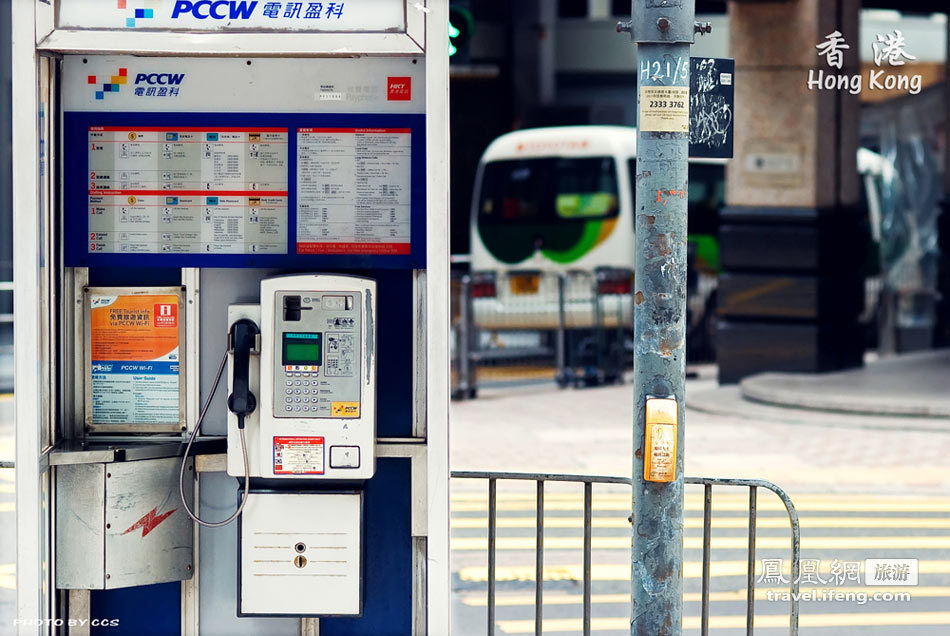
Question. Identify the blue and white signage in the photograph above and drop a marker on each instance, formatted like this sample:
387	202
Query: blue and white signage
355	16
192	162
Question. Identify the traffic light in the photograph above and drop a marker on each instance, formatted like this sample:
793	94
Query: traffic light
461	28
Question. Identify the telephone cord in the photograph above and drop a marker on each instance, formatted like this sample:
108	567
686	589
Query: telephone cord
184	460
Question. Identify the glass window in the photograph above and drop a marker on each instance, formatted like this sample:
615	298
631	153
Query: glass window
548	189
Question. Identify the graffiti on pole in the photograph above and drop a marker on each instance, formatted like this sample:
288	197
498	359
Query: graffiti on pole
711	107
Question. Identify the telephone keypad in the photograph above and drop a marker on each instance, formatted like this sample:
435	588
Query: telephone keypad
334	379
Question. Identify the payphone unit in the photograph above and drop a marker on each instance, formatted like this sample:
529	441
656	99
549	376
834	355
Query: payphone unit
314	380
302	404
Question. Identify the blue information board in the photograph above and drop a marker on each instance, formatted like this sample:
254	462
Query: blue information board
151	232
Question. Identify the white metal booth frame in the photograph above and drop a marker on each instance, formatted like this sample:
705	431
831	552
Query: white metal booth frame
49	331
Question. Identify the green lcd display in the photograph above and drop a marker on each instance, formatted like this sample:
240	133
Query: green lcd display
302	348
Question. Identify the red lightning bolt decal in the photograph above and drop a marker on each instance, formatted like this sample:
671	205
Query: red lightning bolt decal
150	521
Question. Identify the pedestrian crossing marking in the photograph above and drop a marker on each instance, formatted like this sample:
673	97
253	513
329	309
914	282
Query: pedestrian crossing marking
621	572
732	505
735	495
8	576
836	619
620	521
761	593
918	542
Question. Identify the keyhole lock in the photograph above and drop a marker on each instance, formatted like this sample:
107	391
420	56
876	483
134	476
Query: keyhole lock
300	561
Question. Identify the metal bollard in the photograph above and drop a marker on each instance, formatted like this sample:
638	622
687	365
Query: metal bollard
561	375
467	386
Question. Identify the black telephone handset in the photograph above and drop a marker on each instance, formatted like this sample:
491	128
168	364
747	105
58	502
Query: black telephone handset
243	339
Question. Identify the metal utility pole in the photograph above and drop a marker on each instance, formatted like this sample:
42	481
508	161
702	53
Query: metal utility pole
663	31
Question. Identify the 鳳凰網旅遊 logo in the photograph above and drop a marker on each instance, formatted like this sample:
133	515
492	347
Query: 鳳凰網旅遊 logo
137	10
112	86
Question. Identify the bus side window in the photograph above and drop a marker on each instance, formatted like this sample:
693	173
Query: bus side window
707	195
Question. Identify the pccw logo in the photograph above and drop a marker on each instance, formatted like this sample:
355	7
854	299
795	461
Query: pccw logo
146	84
166	315
137	13
399	89
112	86
161	79
158	84
217	9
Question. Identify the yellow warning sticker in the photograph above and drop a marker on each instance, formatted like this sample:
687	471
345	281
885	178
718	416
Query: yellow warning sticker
345	409
659	463
664	109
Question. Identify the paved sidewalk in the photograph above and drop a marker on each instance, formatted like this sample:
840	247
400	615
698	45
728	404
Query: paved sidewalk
911	384
588	431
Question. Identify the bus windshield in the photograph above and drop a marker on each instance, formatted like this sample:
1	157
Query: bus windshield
548	189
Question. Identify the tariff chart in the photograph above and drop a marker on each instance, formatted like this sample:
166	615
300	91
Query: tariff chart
187	190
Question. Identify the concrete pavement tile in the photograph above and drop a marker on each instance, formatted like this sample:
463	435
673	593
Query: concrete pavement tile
541	429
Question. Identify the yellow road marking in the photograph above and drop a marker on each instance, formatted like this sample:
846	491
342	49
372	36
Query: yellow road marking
511	372
7	474
618	572
620	521
7	506
8	576
518	600
735	505
737	495
836	619
7	490
718	543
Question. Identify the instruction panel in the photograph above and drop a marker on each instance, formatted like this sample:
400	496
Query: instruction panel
134	355
188	190
260	162
353	190
298	455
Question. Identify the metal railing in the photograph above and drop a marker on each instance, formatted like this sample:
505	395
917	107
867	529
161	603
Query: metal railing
588	481
571	327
